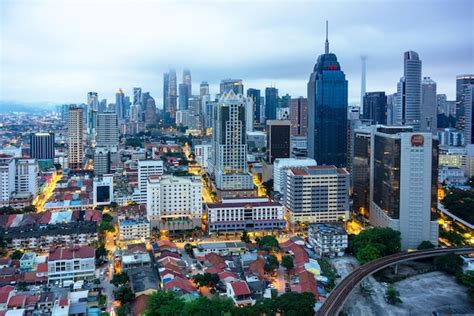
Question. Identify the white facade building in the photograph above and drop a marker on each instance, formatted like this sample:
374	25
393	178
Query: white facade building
133	228
107	130
203	154
174	203
7	178
26	177
146	168
317	194
103	188
451	176
75	125
328	239
71	264
281	165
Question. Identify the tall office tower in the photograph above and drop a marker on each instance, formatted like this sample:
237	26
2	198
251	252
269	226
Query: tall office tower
107	130
316	194
284	101
278	139
7	178
206	107
150	113
249	114
375	107
102	105
361	171
362	82
391	108
231	84
281	166
137	96
469	115
144	101
229	143
409	92
172	104
93	100
75	125
254	94
271	103
174	203
183	97
101	161
166	88
134	113
26	177
42	146
126	107
146	168
203	89
187	81
462	83
262	110
299	116
446	107
404	183
120	104
429	106
194	113
327	111
353	122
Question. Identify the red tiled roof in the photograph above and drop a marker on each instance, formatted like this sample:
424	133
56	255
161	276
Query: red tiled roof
180	283
258	267
240	288
6	289
63	302
71	253
134	248
17	301
214	270
4	297
226	274
307	283
42	267
45	218
32	299
216	260
139	304
166	244
168	254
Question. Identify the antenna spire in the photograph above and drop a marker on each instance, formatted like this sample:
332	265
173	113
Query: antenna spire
326	46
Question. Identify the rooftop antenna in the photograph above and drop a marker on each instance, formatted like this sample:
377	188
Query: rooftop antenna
327	41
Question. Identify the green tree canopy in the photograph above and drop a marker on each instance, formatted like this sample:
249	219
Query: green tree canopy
17	254
119	279
206	279
426	244
268	243
368	253
271	263
296	304
386	241
124	294
245	237
164	303
287	262
392	295
450	263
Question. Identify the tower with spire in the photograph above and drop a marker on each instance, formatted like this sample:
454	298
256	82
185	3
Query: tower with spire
327	110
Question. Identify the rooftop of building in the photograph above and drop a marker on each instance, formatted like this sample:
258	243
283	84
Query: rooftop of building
71	253
328	228
319	170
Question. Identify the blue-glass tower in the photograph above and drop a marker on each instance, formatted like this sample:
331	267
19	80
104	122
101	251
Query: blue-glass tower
327	111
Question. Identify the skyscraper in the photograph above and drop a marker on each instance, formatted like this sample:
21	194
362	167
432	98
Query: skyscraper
468	104
462	83
7	178
278	139
362	81
120	104
299	116
231	84
203	89
403	183
75	126
183	97
93	100
254	94
166	85
409	92
172	94
107	130
375	107
102	105
150	113
271	103
429	106
229	143
42	146
187	81
137	96
327	111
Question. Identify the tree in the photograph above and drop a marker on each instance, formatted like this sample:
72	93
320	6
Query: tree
204	306
124	294
450	263
467	279
16	255
426	244
245	237
296	304
133	142
123	310
189	249
460	203
268	243
22	286
368	253
100	253
206	279
119	279
163	303
386	240
29	209
271	263
287	262
107	218
105	227
392	295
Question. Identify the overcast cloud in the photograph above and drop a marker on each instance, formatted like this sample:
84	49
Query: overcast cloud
57	51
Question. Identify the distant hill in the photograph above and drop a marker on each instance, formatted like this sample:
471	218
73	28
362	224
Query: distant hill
15	106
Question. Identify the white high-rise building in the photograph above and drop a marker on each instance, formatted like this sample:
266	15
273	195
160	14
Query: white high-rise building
7	178
174	203
317	194
203	154
146	168
229	143
403	183
107	130
26	177
75	126
281	166
429	106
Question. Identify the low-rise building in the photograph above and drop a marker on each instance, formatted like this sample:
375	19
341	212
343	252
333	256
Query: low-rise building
245	214
71	264
328	239
240	293
221	248
133	229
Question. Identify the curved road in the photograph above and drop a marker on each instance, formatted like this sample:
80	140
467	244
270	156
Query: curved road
339	295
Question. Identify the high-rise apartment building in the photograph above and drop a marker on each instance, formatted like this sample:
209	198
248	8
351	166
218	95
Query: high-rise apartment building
146	168
299	116
42	146
327	111
26	177
254	94
409	92
172	104
317	194
174	203
278	139
468	104
229	143
231	84
107	130
429	106
101	161
7	178
271	103
375	107
75	126
462	89
403	183
360	171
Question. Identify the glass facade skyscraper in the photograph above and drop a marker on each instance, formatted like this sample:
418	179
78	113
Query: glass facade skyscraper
327	111
271	103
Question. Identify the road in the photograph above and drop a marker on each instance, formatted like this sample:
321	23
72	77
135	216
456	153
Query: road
47	192
335	301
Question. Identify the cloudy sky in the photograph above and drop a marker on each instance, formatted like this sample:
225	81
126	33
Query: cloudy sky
57	51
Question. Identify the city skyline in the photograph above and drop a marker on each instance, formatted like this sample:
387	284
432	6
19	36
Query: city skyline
263	47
